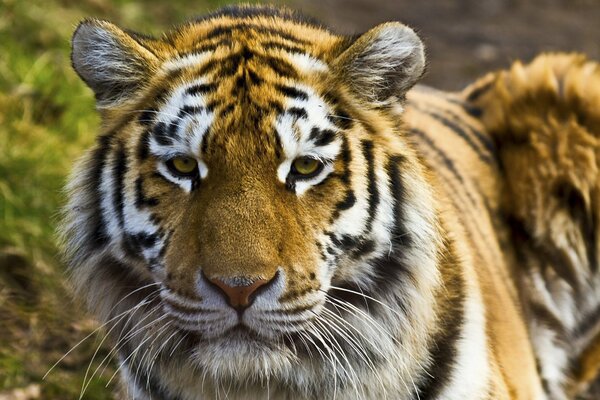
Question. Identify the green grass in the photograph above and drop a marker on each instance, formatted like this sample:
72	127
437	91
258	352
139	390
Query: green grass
47	118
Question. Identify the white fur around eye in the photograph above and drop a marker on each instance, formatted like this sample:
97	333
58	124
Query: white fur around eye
305	184
184	183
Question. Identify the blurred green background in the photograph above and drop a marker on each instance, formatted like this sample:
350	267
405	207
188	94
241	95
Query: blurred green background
47	118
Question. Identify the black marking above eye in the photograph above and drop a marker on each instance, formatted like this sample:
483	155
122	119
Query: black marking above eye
160	134
147	117
292	92
322	137
298	112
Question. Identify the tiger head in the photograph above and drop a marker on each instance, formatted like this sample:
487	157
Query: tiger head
252	196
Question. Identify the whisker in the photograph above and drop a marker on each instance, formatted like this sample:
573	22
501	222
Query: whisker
134	351
87	337
335	345
104	363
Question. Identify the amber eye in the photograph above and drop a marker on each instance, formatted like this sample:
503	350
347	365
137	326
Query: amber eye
306	167
183	166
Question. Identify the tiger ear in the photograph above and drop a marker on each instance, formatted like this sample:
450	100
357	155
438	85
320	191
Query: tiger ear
383	63
110	61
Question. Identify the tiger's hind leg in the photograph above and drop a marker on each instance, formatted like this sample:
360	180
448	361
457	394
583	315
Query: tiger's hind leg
545	120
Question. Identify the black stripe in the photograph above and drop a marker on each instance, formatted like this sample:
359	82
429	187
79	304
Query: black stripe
227	66
589	321
292	92
400	235
99	236
141	201
211	105
275	107
445	159
477	92
229	29
254	78
484	140
543	315
298	112
390	270
135	243
238	86
188	111
146	117
172	130
341	119
282	46
119	170
204	144
278	146
143	149
230	65
322	137
548	255
228	109
209	47
201	88
208	67
443	348
349	199
346	157
470	109
281	67
485	150
372	189
573	201
363	248
159	133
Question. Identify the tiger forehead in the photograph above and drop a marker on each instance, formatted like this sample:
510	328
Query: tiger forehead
243	115
230	82
268	32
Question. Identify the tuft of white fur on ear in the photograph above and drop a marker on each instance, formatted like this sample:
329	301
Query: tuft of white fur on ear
383	63
110	61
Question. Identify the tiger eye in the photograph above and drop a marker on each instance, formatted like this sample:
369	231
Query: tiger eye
306	166
184	165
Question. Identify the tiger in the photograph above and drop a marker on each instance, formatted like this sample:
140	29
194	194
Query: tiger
274	210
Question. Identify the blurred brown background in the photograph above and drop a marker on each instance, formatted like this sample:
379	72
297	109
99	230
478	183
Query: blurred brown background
466	38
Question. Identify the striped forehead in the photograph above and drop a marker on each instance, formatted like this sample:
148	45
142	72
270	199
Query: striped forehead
182	123
232	65
301	120
263	80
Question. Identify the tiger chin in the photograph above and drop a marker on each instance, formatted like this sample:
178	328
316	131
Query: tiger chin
273	210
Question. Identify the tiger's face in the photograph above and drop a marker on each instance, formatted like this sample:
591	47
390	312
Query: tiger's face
251	182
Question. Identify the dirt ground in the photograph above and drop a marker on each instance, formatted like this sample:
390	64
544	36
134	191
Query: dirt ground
467	38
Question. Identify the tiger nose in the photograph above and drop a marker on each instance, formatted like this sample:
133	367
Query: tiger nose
240	292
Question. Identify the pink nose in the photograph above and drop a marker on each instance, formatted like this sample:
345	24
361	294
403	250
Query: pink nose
239	296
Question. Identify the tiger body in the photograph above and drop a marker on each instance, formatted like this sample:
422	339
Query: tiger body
336	233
